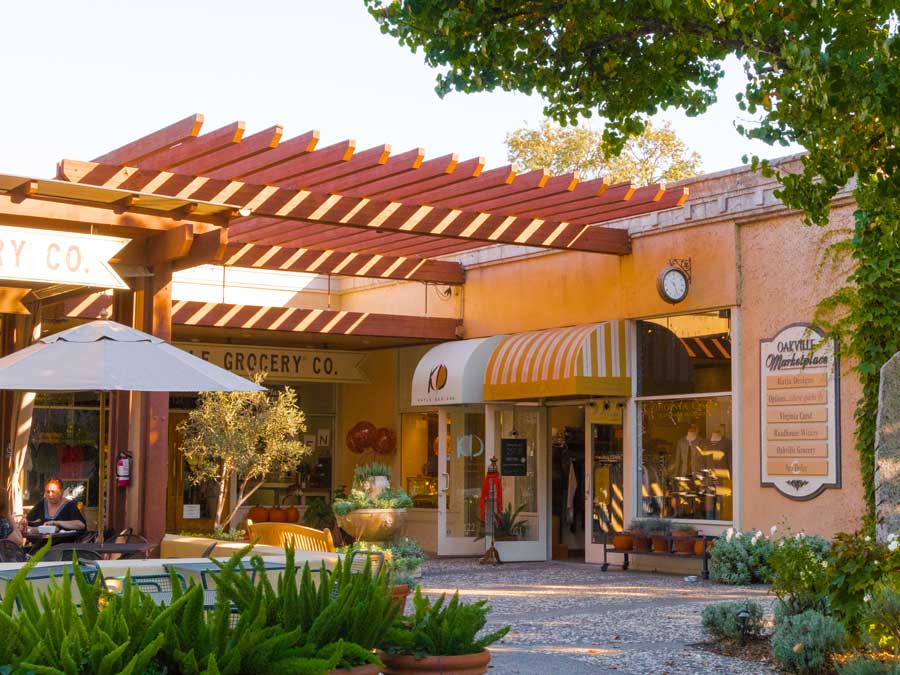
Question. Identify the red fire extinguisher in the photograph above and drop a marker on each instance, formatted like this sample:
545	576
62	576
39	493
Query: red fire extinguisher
123	469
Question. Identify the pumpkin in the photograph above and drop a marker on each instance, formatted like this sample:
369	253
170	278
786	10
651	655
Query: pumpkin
292	514
258	514
277	515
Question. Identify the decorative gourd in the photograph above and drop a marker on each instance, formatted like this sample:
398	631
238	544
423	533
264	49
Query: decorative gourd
277	515
258	514
292	514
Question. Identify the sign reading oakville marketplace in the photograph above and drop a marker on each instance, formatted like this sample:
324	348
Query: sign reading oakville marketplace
800	428
47	256
282	364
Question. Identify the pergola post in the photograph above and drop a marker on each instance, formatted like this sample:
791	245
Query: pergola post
118	430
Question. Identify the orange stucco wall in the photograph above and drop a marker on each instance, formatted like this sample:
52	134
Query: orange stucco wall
571	288
783	277
375	402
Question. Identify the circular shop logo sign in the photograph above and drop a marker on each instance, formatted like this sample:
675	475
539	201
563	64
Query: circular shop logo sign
437	378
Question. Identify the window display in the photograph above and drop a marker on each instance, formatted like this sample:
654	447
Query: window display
418	449
685	438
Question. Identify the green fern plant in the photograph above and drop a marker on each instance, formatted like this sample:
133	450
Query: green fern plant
442	628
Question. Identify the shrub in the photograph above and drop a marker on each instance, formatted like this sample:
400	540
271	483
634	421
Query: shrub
740	558
857	567
403	558
799	573
389	499
219	534
318	514
804	643
882	619
443	628
867	666
721	622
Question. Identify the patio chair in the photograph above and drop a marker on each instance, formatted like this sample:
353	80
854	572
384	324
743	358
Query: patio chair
126	537
40	577
288	535
156	583
10	552
207	552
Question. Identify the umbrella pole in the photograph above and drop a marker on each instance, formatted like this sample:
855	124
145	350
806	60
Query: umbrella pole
101	465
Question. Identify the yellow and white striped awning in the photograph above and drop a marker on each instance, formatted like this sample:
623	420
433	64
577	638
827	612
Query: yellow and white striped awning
588	360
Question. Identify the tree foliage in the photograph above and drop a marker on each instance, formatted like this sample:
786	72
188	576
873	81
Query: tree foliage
242	437
824	74
655	155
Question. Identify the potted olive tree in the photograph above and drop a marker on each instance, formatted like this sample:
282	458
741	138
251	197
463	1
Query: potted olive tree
440	638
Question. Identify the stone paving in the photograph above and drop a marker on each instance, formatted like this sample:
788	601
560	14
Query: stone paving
572	618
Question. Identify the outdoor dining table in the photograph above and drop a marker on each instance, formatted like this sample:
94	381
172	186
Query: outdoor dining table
111	547
37	540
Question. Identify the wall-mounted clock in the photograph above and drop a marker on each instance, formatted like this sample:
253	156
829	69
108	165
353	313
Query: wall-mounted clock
673	284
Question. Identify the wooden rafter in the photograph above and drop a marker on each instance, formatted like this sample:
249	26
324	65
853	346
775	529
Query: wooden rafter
287	319
326	261
387	216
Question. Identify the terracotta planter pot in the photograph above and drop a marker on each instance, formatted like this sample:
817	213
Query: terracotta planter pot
641	542
467	664
623	542
660	543
683	542
373	524
368	669
698	546
399	593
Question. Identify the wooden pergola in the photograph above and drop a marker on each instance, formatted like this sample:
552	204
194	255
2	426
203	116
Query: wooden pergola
334	210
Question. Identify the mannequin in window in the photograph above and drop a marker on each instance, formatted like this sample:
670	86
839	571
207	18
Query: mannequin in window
687	453
716	451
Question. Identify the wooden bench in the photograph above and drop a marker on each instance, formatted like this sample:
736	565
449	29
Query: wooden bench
706	539
288	535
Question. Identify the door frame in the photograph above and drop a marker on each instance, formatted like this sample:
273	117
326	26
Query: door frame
452	546
539	549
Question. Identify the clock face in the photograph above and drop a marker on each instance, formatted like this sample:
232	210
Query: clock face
673	284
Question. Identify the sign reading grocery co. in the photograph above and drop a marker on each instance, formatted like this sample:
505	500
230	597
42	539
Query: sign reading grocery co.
800	412
47	256
282	364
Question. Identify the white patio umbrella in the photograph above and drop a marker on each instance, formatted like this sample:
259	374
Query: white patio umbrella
106	356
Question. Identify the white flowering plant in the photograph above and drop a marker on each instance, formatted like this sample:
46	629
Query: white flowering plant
800	572
740	558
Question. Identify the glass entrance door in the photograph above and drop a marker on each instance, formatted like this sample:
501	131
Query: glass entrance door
605	496
461	451
521	534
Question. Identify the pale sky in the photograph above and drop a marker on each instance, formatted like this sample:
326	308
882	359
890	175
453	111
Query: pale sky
85	77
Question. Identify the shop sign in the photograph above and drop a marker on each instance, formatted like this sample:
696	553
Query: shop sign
513	456
800	424
282	364
46	256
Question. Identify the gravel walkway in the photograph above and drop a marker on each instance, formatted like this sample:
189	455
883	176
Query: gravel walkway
571	618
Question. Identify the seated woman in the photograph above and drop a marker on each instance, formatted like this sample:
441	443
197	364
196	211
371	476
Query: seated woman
8	529
54	509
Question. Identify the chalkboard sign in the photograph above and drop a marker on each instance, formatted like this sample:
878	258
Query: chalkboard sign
513	456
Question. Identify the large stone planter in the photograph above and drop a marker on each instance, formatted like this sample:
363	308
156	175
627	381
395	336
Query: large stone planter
373	524
467	664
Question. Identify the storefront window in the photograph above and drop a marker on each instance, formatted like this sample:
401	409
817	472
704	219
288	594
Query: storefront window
64	444
419	459
685	439
685	354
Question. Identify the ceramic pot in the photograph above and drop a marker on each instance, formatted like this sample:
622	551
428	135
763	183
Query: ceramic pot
660	543
683	542
258	514
623	542
399	593
373	524
367	669
698	547
641	542
466	664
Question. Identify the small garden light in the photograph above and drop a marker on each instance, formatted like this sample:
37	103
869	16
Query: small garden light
742	616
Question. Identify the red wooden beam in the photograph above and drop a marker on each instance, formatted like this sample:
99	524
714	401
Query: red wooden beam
328	156
283	319
253	169
207	165
130	153
403	163
193	148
